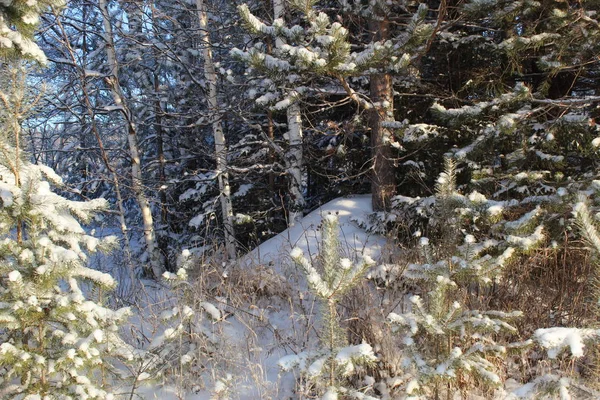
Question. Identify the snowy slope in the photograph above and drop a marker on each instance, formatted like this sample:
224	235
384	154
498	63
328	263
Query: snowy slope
305	235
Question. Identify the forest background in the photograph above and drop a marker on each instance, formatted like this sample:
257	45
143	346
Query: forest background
211	126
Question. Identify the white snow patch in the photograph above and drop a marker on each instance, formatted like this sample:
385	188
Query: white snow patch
243	190
305	236
211	310
555	340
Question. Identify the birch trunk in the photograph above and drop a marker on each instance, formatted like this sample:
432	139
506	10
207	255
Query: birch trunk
160	153
156	267
294	156
219	136
294	161
278	11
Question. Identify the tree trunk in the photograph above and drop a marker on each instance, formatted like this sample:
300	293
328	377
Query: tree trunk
383	183
294	156
278	11
160	153
294	162
219	136
271	135
156	267
271	132
162	240
160	133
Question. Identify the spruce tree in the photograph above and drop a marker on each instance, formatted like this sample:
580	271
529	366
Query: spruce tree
448	345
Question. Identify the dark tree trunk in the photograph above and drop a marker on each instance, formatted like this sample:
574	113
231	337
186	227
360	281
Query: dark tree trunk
383	183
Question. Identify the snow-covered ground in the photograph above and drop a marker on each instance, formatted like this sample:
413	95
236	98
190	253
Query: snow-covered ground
254	372
306	236
256	330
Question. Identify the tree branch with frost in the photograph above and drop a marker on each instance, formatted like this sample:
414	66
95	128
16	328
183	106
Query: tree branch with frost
274	146
316	283
256	167
557	339
578	101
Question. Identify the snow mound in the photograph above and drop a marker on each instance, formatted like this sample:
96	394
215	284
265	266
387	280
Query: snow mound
305	235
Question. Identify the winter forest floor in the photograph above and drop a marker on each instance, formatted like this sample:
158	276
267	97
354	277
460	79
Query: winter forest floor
260	324
261	310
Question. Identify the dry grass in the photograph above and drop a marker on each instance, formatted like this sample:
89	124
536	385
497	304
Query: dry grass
364	320
551	286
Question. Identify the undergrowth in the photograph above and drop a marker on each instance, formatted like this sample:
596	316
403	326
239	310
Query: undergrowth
483	306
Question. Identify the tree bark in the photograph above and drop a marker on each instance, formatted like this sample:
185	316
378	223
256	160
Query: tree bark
220	144
294	160
162	240
160	152
156	267
294	156
383	182
278	11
